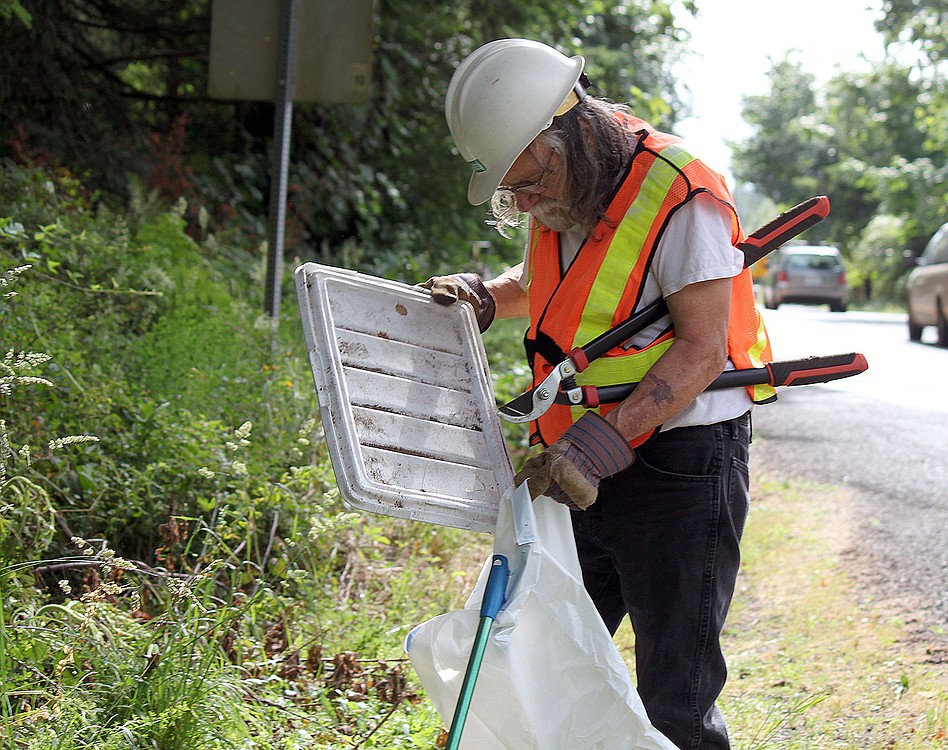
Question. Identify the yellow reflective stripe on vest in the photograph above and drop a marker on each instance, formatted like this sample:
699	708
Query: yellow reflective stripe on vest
629	368
533	239
617	267
759	345
760	393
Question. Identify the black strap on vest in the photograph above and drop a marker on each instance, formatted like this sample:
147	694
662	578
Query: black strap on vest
543	345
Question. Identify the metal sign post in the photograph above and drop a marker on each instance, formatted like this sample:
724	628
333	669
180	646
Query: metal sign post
255	56
282	125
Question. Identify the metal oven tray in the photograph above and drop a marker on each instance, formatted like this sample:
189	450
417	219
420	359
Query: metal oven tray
405	398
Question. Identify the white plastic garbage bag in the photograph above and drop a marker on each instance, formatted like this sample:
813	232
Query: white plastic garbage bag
551	678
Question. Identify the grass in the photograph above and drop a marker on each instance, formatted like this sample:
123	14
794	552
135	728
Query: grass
815	660
826	663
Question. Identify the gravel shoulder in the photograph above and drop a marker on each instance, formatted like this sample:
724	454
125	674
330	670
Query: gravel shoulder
896	553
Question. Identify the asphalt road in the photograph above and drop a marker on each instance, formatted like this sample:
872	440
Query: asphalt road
883	434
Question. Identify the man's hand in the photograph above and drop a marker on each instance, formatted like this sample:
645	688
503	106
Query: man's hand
464	287
569	471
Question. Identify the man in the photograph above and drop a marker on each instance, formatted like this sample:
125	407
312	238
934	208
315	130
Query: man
621	215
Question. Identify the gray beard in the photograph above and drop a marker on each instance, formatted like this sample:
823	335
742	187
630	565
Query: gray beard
554	215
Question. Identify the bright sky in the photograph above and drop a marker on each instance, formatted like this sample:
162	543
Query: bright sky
733	42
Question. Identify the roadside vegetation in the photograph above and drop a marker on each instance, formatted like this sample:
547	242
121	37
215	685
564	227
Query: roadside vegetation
177	569
817	658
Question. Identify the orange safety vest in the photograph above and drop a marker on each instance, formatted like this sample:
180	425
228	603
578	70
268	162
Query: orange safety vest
604	284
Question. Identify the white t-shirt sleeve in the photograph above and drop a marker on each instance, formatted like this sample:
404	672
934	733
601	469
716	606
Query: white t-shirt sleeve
696	246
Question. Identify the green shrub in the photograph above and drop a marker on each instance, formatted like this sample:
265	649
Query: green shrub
155	352
182	571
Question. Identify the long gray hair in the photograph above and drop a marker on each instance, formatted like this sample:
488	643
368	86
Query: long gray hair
595	147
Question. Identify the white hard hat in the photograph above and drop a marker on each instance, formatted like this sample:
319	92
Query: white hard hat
500	98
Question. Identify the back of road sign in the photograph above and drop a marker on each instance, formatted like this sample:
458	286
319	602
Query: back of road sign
333	52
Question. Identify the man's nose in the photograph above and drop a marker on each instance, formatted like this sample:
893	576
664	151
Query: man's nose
526	201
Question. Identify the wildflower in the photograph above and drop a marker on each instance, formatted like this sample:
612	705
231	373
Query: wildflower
58	443
243	432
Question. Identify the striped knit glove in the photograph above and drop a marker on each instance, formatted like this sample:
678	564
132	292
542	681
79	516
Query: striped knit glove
569	471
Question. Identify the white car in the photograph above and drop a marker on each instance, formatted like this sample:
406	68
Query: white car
927	289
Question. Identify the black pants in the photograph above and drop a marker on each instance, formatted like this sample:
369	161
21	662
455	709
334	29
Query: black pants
661	544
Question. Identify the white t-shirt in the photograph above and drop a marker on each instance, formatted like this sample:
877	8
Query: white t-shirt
696	246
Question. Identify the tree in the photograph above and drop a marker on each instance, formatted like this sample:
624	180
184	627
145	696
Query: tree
874	142
110	88
919	184
921	22
86	81
889	138
789	156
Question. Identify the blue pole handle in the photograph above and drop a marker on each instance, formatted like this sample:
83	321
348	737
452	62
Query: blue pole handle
496	588
494	593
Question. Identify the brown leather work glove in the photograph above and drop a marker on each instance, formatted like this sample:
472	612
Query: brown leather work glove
569	471
466	287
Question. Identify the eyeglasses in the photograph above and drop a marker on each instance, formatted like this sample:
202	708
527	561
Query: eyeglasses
531	187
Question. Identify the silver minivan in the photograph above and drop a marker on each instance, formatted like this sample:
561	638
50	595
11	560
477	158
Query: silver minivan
927	289
806	274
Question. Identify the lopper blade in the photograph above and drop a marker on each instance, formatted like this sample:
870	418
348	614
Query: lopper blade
525	408
534	403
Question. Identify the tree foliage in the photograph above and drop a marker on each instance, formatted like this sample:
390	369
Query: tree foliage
116	90
876	142
112	88
917	21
